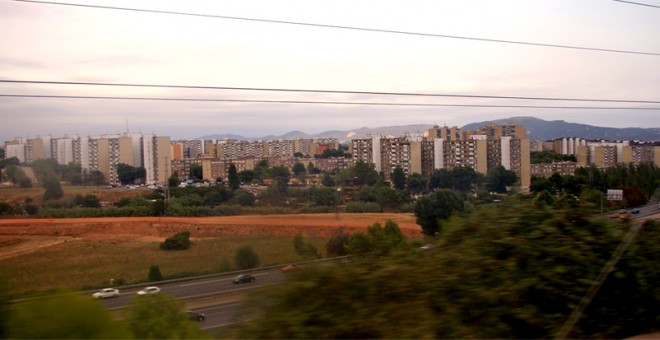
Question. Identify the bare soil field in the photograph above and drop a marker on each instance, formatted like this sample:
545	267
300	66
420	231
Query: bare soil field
23	236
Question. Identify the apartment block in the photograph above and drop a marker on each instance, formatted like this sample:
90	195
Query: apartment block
565	168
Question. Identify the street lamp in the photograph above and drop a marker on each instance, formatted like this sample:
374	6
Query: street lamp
337	202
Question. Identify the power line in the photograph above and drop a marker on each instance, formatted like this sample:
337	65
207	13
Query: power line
637	3
327	102
364	29
411	94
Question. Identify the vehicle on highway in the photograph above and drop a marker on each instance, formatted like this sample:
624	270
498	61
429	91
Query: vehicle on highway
614	215
106	293
198	316
634	211
244	278
149	291
291	268
623	214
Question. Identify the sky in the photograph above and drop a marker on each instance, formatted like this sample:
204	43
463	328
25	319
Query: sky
58	43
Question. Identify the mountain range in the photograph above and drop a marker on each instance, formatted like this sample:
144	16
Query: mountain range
537	129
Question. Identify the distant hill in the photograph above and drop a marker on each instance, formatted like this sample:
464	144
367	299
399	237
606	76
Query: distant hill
546	130
537	129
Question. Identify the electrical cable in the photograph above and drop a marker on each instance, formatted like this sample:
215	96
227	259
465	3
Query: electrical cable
326	102
637	3
364	29
198	87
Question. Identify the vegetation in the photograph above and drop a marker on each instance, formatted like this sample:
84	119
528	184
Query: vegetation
246	257
505	271
154	274
160	316
432	210
304	249
180	241
550	156
63	316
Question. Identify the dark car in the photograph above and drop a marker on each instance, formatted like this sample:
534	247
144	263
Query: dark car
245	278
634	211
193	315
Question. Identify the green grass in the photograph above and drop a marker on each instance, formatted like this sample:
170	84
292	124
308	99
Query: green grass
91	264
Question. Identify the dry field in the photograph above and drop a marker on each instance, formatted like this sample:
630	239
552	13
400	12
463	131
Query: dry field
41	254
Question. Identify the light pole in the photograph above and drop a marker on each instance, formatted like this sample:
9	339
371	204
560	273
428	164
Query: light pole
337	202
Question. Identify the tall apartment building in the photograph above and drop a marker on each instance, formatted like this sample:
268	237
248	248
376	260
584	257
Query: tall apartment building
449	147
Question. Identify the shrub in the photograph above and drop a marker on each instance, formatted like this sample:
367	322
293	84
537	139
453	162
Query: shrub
363	207
154	273
180	241
246	258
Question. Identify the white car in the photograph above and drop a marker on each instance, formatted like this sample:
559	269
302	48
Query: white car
149	290
106	293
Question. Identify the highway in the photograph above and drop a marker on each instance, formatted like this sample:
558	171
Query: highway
215	296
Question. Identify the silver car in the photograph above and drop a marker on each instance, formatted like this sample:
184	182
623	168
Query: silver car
106	293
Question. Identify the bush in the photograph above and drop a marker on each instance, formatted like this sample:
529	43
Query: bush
31	209
180	241
154	273
25	182
246	258
363	207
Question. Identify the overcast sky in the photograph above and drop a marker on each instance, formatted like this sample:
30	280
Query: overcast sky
45	42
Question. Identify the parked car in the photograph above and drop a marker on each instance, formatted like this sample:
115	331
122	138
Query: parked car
198	316
106	293
244	278
291	268
149	291
634	211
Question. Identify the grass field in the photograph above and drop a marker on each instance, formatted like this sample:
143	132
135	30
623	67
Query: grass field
17	195
90	264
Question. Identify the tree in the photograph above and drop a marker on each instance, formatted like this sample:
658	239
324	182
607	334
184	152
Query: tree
242	197
160	316
53	189
196	172
96	177
63	316
128	174
311	169
232	176
304	249
173	181
299	170
399	178
416	183
25	182
14	174
323	196
328	180
499	178
246	176
463	179
91	201
430	210
378	240
359	174
336	245
180	241
246	258
281	177
154	274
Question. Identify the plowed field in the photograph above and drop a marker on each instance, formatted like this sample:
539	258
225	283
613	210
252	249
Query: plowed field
22	236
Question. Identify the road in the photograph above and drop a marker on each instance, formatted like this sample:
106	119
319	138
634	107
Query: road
215	296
